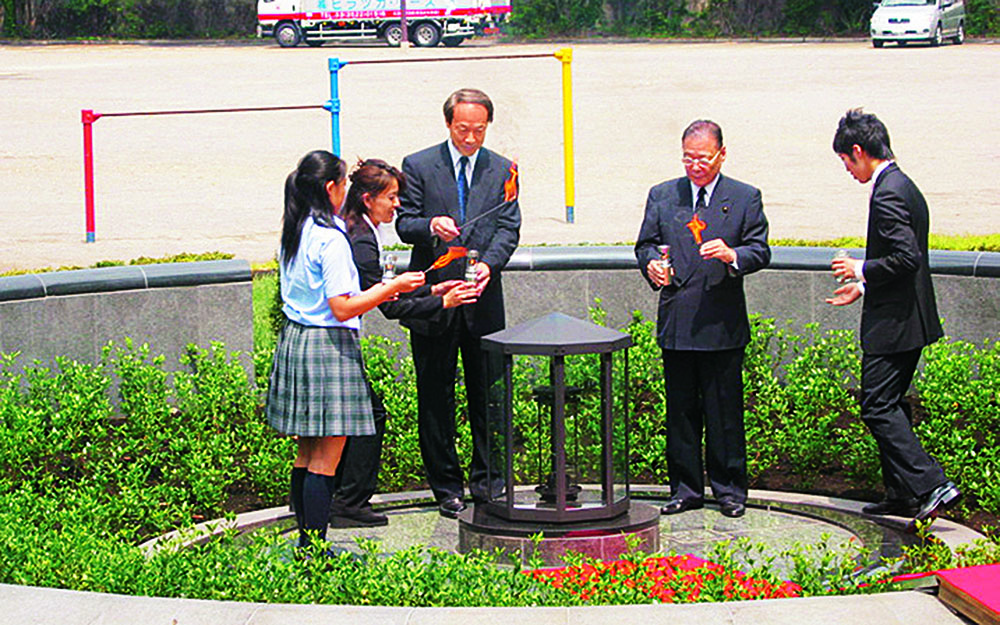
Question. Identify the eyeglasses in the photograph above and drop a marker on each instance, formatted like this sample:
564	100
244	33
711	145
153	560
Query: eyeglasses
704	161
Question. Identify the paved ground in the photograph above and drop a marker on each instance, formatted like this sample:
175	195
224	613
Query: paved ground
695	532
49	606
214	182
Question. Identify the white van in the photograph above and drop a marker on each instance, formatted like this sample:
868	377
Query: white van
930	21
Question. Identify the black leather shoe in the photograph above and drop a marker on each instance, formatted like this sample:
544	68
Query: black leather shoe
732	509
450	507
941	498
676	506
479	491
344	516
893	507
500	497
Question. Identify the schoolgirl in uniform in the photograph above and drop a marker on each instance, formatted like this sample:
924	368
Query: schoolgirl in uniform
318	391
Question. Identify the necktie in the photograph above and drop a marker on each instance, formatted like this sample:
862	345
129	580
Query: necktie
462	184
700	206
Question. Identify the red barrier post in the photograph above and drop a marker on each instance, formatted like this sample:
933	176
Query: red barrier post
88	118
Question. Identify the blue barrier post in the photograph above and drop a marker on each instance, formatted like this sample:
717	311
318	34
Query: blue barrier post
333	105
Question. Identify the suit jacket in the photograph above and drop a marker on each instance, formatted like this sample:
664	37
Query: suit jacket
418	304
431	191
899	312
704	309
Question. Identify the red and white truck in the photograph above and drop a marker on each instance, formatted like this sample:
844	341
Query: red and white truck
428	21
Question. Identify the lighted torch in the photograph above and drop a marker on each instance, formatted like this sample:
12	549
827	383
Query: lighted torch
509	195
696	226
447	257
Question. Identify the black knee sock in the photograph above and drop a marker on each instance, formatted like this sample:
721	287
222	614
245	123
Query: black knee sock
317	492
295	498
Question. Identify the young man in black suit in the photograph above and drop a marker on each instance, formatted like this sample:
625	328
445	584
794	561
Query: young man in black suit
448	186
898	318
702	324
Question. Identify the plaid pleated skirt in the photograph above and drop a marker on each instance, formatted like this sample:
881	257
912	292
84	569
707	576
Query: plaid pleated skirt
318	383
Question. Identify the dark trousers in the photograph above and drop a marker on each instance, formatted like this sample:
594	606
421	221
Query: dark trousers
907	470
435	359
357	473
705	394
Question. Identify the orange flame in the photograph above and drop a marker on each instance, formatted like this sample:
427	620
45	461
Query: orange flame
510	185
447	257
696	225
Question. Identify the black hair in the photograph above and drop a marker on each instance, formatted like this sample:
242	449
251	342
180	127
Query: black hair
706	127
370	176
306	196
864	129
472	96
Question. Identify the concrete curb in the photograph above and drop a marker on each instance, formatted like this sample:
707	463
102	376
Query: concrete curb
48	606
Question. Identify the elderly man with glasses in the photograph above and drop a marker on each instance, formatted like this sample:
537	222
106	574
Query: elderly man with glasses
700	235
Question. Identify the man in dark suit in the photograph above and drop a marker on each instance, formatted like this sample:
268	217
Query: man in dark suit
898	318
448	186
702	324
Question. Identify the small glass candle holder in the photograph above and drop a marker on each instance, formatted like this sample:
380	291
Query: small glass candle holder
389	261
839	255
665	264
471	258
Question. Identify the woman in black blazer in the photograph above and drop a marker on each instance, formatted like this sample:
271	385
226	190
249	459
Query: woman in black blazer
372	200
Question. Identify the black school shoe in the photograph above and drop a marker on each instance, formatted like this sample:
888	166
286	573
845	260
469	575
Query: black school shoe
732	508
893	507
344	516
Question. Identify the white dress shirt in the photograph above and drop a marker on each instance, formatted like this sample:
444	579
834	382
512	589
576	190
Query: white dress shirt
859	267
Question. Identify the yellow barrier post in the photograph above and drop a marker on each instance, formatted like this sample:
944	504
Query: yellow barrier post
565	55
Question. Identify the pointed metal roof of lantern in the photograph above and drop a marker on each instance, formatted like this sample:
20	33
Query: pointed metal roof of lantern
556	334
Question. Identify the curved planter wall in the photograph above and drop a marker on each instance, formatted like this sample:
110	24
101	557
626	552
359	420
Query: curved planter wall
76	313
539	280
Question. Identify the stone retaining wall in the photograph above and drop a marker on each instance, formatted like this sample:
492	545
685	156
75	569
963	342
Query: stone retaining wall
76	313
539	280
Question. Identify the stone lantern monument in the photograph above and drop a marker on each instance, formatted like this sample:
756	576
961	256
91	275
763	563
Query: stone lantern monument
587	518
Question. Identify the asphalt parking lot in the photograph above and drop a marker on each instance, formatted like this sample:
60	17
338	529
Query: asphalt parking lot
195	183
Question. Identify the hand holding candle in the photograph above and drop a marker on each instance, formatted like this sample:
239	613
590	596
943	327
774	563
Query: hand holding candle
717	248
404	283
846	268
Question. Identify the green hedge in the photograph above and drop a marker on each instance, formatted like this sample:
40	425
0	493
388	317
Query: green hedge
740	18
530	18
95	458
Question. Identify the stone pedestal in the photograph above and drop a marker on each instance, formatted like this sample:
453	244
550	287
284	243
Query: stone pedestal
604	540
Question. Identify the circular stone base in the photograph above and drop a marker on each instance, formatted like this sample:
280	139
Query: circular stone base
603	540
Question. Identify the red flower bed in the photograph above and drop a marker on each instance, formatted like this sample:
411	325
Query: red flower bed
670	579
